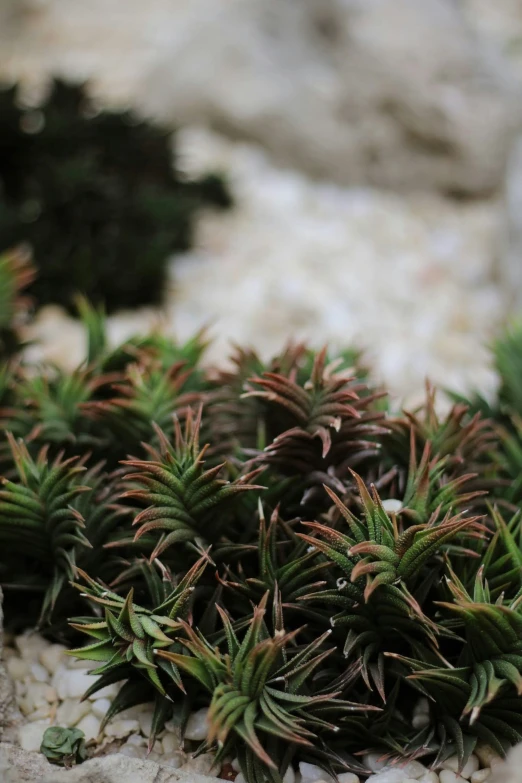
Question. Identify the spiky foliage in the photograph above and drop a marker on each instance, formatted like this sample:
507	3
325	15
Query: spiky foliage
96	195
261	697
129	637
184	501
39	526
325	601
16	273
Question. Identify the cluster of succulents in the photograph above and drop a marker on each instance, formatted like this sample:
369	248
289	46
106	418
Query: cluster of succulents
269	541
97	198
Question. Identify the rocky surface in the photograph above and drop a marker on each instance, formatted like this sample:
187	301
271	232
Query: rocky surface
380	92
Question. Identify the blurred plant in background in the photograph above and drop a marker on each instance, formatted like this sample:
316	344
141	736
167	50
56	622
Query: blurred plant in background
97	197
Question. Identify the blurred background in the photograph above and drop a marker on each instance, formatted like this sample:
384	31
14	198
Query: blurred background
346	171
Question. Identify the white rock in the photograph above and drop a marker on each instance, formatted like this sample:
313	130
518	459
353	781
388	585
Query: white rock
348	777
289	776
413	769
388	775
429	777
108	692
310	773
78	681
374	762
37	695
171	743
452	763
392	505
480	775
52	656
131	751
42	713
197	726
59	681
203	765
30	736
17	668
448	776
145	723
30	645
235	765
90	725
137	740
175	760
100	707
71	711
121	728
39	673
486	754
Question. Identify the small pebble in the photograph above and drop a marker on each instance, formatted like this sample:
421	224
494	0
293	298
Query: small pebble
90	725
171	743
30	646
374	762
108	692
52	656
39	673
471	766
486	755
197	726
30	736
71	711
310	773
137	740
145	723
348	777
289	776
121	728
100	707
429	777
77	682
202	765
448	776
175	760
17	668
480	775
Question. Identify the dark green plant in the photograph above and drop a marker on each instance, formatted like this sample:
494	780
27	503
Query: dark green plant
237	561
97	196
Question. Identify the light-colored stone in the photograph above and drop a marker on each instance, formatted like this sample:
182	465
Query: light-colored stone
100	707
449	776
486	754
374	762
429	777
171	742
310	773
51	656
145	723
77	683
289	777
121	728
17	668
71	711
348	777
197	725
30	645
467	770
39	673
480	775
328	86
116	768
175	760
203	765
90	725
30	736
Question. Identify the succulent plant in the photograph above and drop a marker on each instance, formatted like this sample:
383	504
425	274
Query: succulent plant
64	747
96	196
294	557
